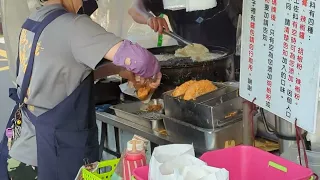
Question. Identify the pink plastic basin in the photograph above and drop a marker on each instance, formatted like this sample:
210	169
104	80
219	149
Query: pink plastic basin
141	173
247	163
250	163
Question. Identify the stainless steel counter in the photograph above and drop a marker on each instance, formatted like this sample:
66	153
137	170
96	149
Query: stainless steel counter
139	130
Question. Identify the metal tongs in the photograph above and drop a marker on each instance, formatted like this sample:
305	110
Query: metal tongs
177	37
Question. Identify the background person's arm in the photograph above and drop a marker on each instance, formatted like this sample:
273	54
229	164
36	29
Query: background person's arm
140	14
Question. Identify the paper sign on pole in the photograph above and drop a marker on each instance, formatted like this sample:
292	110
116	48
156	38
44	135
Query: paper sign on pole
280	58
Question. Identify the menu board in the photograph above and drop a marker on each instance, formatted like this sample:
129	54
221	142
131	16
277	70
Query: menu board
280	54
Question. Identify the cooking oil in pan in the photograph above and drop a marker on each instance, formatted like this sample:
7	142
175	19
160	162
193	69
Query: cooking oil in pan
208	57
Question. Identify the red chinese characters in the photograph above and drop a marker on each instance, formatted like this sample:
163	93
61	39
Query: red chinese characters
302	27
273	10
304	2
299	68
297	89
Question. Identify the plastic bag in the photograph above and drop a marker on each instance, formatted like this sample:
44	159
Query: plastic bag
90	167
163	154
204	173
172	170
177	162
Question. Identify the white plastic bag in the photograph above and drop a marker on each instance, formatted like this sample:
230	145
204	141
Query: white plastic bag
163	154
172	170
203	173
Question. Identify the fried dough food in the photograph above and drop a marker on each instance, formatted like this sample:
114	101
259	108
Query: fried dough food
199	88
143	93
197	52
181	90
154	107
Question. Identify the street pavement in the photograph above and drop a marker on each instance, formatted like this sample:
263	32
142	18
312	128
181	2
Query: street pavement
6	103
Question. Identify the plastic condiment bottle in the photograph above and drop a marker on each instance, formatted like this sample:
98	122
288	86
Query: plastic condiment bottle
134	157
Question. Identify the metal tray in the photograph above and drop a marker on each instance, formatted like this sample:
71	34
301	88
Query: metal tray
132	112
206	113
231	92
205	139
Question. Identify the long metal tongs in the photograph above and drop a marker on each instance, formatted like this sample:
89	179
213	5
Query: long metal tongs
177	37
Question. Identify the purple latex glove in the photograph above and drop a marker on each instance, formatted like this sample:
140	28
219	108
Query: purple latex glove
136	59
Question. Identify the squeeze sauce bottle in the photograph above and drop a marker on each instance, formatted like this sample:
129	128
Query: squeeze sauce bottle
134	157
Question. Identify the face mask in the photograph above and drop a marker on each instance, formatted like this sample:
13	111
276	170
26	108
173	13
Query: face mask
88	7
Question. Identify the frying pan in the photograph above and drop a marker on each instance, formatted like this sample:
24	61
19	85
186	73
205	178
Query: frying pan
177	70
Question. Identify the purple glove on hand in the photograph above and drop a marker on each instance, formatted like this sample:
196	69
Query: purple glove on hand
136	59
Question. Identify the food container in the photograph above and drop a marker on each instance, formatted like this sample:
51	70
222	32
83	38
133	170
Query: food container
136	113
209	111
204	139
231	92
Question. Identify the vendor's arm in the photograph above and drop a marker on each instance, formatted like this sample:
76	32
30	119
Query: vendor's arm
141	14
90	43
108	69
